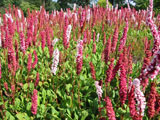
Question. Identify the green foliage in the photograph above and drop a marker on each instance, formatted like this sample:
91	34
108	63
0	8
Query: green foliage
143	4
157	4
2	11
58	94
114	2
26	5
31	4
81	2
37	3
64	3
69	3
157	11
5	3
102	3
50	6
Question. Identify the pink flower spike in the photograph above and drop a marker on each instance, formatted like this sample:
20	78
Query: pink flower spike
94	48
115	39
98	90
35	60
55	61
140	98
152	70
34	102
79	58
107	50
123	84
109	109
124	37
43	41
13	88
6	85
132	103
109	72
151	101
22	42
153	27
37	79
93	72
66	33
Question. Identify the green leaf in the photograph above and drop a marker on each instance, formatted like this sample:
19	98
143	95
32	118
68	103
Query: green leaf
82	77
75	116
22	116
1	103
39	100
70	118
59	93
99	72
17	103
40	51
48	93
31	86
69	112
113	94
44	95
17	74
29	106
46	84
9	116
40	83
54	95
22	99
54	111
55	116
42	108
25	86
68	87
121	111
84	115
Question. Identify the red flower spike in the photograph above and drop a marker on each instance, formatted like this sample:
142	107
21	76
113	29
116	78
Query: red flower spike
34	102
109	109
107	50
115	39
93	72
151	101
109	72
123	84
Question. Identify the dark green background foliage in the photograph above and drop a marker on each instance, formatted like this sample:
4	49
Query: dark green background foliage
143	4
35	4
51	5
31	4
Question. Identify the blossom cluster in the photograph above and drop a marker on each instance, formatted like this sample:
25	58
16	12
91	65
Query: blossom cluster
55	61
79	58
139	96
34	102
99	90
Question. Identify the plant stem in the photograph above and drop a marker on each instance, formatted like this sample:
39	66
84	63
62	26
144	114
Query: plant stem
72	94
22	68
2	100
28	85
79	101
2	114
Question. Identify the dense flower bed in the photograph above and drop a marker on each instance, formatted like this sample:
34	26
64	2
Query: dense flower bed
86	63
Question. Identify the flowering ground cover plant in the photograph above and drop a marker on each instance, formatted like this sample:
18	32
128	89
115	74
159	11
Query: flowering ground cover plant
81	64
